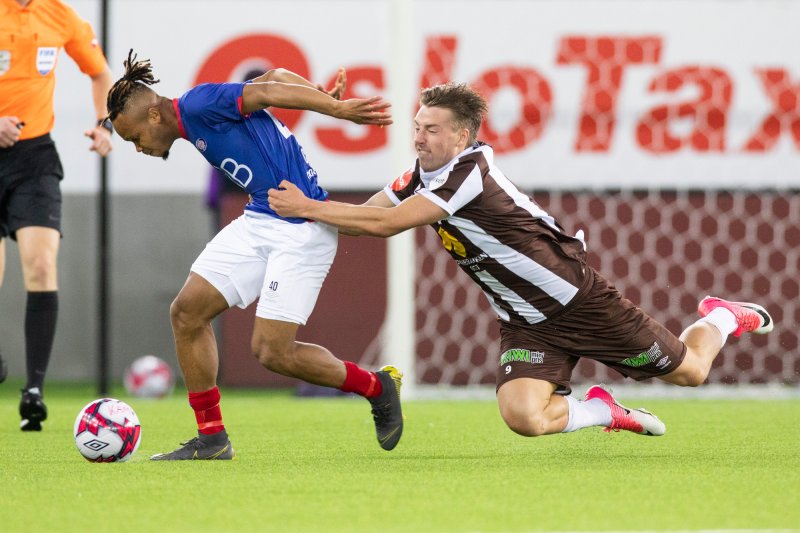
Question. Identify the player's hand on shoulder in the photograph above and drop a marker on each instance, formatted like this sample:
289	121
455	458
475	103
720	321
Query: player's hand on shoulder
9	131
373	111
101	140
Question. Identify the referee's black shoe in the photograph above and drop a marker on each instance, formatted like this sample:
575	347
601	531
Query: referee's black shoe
386	409
32	410
3	368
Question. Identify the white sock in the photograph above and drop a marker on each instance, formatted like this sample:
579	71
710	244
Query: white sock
723	320
584	414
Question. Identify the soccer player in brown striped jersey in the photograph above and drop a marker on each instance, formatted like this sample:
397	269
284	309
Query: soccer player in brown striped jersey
553	307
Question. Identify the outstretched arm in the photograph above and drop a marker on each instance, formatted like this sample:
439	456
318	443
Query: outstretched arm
289	201
288	90
287	76
379	199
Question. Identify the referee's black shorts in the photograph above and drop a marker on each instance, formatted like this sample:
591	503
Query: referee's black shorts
30	189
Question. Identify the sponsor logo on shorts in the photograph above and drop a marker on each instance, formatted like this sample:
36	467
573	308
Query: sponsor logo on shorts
645	358
521	355
664	362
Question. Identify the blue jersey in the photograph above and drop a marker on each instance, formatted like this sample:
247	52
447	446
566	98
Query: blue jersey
255	151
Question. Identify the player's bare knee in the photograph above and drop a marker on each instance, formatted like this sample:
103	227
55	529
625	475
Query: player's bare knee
688	375
273	354
694	378
180	314
39	269
523	421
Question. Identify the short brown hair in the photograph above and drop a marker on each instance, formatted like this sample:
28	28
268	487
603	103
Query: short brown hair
468	106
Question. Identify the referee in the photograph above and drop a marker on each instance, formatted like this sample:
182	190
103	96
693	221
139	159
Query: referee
32	33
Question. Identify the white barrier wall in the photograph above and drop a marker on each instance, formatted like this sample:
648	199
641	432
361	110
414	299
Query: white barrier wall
583	94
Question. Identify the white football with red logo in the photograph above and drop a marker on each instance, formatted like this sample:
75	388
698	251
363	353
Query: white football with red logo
149	377
107	431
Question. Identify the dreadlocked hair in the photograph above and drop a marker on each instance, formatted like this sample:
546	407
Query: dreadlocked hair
137	78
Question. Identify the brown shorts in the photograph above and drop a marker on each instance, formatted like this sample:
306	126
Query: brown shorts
601	326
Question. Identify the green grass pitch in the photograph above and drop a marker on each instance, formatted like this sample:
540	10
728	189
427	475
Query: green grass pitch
314	465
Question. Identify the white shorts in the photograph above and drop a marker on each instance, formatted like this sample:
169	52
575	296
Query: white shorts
282	264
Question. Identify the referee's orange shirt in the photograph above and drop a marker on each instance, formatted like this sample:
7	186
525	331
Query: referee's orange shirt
31	38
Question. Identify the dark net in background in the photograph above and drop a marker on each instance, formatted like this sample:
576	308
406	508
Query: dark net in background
664	250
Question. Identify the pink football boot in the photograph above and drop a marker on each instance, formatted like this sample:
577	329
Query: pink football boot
751	317
638	421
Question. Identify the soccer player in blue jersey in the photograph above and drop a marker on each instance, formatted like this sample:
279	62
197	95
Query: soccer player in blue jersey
281	261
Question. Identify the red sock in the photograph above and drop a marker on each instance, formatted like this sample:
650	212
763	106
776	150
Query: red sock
361	381
206	411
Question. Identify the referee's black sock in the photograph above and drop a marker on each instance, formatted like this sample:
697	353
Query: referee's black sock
41	315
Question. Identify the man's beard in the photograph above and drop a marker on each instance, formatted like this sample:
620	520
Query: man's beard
165	156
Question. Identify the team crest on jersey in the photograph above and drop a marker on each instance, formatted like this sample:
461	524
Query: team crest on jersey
400	183
46	59
5	61
201	144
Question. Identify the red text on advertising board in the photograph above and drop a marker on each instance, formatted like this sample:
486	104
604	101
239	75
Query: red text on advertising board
605	59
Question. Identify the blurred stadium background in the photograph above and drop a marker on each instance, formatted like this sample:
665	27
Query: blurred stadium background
668	130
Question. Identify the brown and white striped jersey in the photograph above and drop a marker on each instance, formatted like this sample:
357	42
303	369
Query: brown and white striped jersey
518	254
